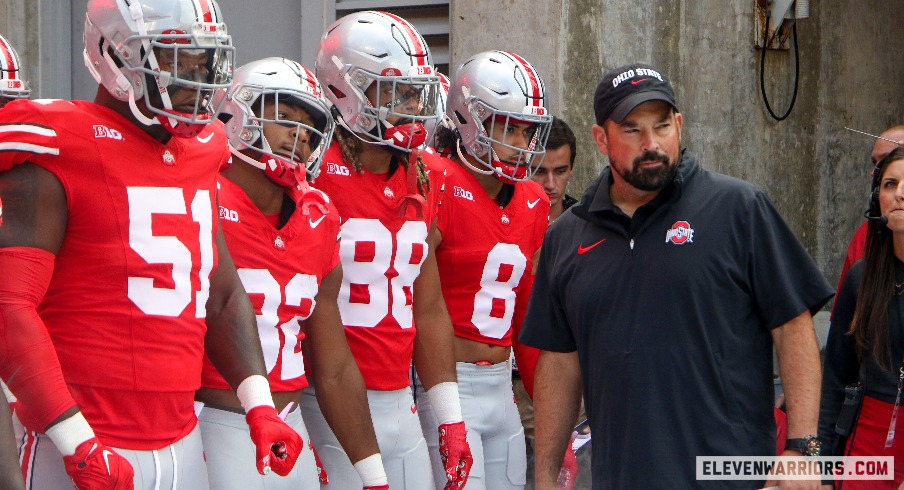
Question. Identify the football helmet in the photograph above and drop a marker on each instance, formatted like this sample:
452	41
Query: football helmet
499	88
171	53
11	84
383	54
242	109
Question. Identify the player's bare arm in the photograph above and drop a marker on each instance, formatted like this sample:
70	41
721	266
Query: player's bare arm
557	399
340	389
433	346
231	342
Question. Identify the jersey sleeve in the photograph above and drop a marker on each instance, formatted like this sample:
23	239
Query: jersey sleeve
28	361
784	279
25	134
842	366
545	324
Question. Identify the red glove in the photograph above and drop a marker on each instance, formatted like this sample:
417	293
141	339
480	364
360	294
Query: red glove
321	471
569	470
95	466
456	454
278	445
381	487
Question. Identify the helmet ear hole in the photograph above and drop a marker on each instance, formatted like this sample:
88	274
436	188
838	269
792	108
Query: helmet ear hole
461	119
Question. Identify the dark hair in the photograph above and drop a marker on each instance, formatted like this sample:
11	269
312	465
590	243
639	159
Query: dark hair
561	134
869	326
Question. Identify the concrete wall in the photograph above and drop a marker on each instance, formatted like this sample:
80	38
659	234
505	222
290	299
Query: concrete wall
815	170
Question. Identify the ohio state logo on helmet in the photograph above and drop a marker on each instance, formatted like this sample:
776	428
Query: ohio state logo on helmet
680	233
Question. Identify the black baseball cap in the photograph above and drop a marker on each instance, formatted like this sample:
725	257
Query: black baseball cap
626	87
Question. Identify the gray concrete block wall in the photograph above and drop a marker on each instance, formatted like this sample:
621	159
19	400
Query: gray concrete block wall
814	170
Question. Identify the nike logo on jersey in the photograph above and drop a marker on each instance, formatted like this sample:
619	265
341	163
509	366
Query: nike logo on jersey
582	249
106	454
530	205
314	224
205	140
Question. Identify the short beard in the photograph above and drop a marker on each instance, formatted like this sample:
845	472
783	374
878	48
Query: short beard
649	179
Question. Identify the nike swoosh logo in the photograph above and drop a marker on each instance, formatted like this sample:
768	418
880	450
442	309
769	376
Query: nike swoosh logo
314	224
106	454
635	82
530	205
582	249
205	140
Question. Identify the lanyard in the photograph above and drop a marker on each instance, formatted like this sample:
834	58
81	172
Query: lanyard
890	438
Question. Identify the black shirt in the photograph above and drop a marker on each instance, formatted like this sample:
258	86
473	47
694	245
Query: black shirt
671	313
842	363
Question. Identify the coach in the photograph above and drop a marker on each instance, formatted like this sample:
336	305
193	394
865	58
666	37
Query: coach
664	290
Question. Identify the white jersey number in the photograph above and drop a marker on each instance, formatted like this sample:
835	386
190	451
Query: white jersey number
494	304
144	203
279	340
379	270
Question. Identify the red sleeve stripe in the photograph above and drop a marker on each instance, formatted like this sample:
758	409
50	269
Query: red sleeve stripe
414	38
536	84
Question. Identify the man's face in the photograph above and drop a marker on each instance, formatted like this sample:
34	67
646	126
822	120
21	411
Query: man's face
554	172
189	65
643	150
883	147
399	98
515	134
288	140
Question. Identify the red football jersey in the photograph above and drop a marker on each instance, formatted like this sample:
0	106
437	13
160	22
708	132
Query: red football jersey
126	304
382	251
281	270
486	252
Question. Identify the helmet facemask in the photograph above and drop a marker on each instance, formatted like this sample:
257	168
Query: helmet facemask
299	140
395	110
174	70
509	160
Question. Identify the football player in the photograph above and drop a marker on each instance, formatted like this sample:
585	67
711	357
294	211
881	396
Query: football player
377	73
491	225
116	278
284	239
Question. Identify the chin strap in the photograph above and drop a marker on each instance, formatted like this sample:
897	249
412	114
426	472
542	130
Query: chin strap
413	199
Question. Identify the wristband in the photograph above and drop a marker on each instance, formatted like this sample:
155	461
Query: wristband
371	472
253	392
68	434
444	400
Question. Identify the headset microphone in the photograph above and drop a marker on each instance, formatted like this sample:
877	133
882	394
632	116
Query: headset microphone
881	219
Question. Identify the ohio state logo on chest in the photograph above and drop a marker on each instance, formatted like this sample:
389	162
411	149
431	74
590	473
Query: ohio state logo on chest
680	233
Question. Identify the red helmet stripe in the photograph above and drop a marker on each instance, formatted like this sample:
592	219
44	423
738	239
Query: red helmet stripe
533	78
205	10
311	83
420	51
9	59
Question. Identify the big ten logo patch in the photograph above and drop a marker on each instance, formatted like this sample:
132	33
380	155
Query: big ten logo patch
463	193
336	169
101	131
229	215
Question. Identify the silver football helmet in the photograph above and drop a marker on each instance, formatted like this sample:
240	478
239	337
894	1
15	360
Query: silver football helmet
383	55
282	81
498	88
12	86
171	53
